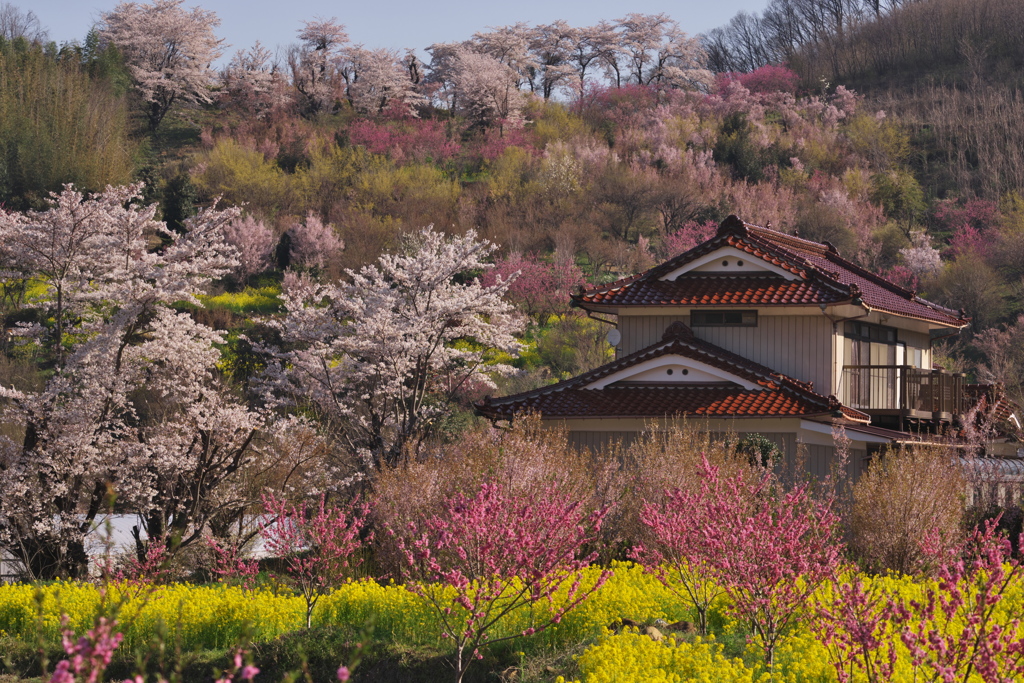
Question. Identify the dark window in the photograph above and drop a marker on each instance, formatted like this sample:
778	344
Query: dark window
868	332
723	318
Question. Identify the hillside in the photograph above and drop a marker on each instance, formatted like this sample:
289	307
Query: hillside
921	183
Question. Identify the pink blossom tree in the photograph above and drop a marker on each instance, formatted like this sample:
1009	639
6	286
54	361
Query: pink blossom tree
318	545
487	90
255	243
253	83
678	553
541	288
768	550
169	51
314	244
314	63
508	45
772	556
552	46
921	257
487	555
382	354
856	631
378	81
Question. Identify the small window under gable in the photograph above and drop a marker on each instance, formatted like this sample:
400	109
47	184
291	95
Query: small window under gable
672	369
729	261
723	318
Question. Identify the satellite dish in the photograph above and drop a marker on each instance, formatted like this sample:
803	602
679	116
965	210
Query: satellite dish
614	336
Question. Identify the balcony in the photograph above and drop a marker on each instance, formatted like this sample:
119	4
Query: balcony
903	391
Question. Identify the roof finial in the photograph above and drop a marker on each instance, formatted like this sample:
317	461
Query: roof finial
732	225
677	331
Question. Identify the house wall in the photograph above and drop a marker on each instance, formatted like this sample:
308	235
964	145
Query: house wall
599	441
798	459
800	346
640	331
917	340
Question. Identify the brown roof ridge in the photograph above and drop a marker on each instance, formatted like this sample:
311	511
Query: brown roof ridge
797	242
726	229
910	295
832	255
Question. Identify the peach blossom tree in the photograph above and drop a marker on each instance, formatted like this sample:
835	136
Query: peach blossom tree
489	554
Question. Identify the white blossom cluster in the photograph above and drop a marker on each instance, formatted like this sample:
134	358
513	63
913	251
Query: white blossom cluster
382	351
134	404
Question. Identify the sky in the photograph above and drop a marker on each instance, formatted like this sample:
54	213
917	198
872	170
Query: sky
396	24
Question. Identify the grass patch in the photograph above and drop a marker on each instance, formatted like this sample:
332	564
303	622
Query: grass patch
250	301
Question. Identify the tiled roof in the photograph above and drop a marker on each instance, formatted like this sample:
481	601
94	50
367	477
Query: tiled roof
733	290
996	402
780	396
824	278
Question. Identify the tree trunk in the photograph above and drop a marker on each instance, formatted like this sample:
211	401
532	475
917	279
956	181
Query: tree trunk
47	560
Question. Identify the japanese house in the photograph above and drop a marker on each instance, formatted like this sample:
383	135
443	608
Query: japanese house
757	331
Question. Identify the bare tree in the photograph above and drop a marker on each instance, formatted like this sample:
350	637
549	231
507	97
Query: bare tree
15	23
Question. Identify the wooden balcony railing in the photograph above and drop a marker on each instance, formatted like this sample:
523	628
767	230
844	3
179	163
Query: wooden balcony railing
903	390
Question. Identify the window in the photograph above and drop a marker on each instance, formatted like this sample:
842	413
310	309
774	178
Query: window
868	332
723	318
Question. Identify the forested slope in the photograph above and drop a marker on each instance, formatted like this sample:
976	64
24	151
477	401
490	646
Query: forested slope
585	152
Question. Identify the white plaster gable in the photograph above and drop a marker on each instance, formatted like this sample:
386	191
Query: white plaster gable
683	371
730	260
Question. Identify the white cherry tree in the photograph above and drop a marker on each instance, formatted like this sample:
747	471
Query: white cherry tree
386	352
169	51
133	406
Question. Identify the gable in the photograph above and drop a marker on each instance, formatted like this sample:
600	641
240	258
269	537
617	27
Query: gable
728	260
672	369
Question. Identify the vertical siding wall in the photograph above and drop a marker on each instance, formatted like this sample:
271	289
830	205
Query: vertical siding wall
795	345
640	331
917	340
798	460
820	460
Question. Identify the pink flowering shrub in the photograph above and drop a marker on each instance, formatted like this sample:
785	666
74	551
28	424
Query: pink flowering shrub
239	671
610	107
319	545
956	628
542	287
255	243
315	244
88	656
767	79
229	565
687	237
499	550
496	141
410	140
